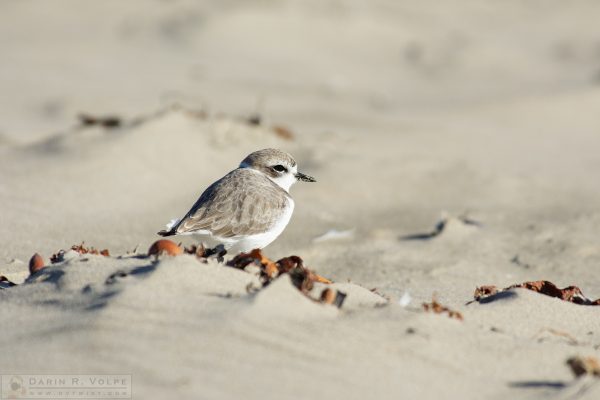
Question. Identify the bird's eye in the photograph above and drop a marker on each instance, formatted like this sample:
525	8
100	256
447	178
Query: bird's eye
280	168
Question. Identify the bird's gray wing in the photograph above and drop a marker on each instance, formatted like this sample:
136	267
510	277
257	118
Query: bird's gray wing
243	202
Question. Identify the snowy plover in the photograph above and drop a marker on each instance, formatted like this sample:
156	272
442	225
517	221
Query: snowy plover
247	208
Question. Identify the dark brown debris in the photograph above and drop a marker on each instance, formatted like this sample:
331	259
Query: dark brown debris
571	293
301	278
268	269
584	366
289	263
197	251
332	296
203	253
105	121
57	257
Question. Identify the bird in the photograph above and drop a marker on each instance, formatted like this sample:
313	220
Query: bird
246	209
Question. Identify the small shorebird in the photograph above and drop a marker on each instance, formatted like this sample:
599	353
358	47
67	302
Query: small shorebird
246	209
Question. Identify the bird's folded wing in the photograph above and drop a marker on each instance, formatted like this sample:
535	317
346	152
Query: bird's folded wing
241	203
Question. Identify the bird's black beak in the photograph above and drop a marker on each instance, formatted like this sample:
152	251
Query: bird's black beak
305	178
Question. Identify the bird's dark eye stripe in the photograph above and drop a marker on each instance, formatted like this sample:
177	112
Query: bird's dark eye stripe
280	168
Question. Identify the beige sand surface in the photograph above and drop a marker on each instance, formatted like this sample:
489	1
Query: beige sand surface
406	113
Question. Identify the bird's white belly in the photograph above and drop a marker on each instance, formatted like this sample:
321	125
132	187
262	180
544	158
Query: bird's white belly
237	244
261	240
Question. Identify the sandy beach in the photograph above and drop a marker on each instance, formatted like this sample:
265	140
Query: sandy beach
455	146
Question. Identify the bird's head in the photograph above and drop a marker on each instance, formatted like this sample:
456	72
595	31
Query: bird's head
277	165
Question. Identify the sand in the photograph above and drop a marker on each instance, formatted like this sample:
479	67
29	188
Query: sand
407	114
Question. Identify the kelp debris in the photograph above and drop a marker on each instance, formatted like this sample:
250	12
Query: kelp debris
570	293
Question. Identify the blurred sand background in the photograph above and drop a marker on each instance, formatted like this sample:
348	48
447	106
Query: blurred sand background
405	112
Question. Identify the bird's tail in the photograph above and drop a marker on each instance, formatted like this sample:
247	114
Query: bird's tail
171	228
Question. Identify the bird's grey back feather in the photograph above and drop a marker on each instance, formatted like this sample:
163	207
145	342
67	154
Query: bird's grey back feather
243	202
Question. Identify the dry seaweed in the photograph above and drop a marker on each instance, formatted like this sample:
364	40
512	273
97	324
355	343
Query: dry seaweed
293	265
570	293
81	249
437	308
302	278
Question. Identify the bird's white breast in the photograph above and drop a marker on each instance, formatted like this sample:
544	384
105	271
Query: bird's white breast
260	240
